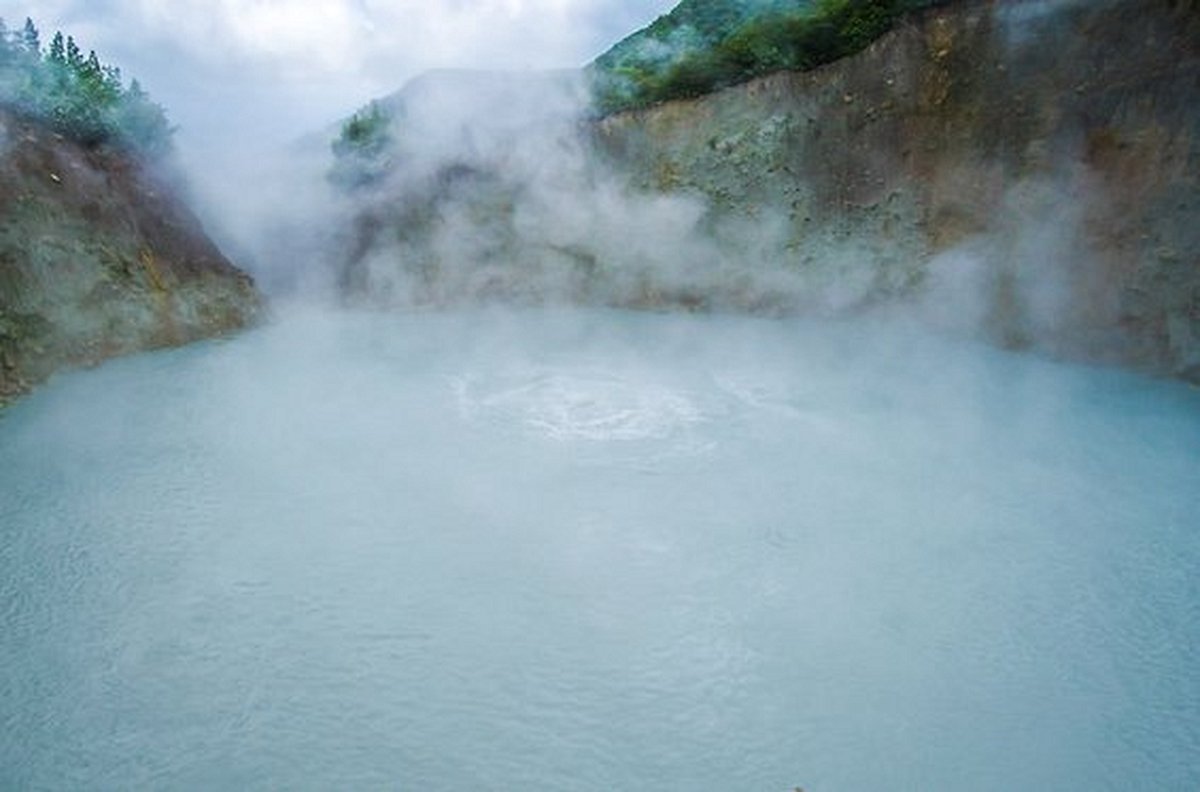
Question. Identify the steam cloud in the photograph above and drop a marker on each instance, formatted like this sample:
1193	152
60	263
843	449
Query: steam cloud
497	186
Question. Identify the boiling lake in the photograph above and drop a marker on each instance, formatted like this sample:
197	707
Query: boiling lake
599	551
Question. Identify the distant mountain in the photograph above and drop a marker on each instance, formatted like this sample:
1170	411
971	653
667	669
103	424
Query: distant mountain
450	116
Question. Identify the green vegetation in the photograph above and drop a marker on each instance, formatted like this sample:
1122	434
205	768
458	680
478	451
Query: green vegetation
706	45
361	151
78	96
367	132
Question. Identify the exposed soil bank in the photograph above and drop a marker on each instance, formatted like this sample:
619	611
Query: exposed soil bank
1025	170
99	258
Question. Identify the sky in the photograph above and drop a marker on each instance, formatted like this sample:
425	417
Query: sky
248	73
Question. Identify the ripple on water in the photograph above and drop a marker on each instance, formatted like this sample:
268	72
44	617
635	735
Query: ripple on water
609	416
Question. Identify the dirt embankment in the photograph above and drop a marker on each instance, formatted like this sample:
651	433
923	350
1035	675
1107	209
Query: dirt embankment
98	258
1028	171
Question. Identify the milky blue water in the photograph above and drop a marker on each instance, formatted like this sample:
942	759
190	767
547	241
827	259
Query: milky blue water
599	551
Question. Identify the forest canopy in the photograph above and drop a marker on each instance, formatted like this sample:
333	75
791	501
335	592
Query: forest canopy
705	45
77	95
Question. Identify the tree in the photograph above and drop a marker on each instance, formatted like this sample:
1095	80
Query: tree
361	153
57	53
142	124
78	96
30	39
74	56
366	133
91	69
112	79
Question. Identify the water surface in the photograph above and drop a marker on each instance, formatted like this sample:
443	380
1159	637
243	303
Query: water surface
599	551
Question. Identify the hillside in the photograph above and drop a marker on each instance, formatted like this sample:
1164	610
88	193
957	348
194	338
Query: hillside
1027	173
1023	173
98	255
689	27
704	45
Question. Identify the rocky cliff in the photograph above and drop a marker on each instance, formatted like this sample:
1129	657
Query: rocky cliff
98	258
1027	170
1023	170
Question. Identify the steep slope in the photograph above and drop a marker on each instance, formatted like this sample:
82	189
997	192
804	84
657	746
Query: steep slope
1025	172
1028	170
99	258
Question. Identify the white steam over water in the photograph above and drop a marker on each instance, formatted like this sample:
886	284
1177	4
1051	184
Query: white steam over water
598	551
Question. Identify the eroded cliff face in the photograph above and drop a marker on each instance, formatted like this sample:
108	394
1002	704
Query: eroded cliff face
1021	170
1025	170
97	259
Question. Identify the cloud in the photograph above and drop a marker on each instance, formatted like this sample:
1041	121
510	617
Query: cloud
291	38
379	40
244	77
247	74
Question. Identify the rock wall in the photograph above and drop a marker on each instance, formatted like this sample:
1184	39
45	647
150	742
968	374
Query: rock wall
1027	170
98	258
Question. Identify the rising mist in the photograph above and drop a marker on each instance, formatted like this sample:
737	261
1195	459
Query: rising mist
736	442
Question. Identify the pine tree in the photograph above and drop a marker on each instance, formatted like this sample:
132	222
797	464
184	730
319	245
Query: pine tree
112	79
101	83
30	39
91	69
142	124
57	53
78	96
74	56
